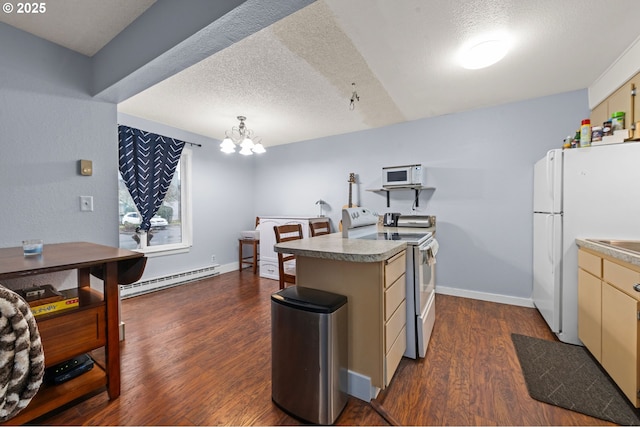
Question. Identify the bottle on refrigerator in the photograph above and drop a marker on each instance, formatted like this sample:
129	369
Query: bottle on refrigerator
585	133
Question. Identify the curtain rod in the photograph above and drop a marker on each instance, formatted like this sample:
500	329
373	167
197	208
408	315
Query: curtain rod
186	142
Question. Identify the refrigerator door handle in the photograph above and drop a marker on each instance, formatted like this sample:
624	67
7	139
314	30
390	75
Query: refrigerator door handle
550	230
550	176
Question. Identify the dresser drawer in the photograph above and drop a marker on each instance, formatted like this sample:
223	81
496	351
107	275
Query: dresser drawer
393	357
622	278
394	268
394	325
73	333
393	296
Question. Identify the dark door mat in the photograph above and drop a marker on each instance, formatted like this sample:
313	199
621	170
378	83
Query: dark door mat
566	375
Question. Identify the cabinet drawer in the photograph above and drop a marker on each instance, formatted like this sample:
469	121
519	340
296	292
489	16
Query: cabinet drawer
392	360
394	267
73	333
395	324
393	296
622	278
589	262
269	268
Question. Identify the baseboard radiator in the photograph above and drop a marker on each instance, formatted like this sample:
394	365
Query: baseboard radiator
158	283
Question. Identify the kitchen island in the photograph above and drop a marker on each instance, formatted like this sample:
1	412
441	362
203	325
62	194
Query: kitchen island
371	274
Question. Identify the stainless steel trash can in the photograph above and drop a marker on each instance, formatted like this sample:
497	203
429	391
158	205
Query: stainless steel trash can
309	353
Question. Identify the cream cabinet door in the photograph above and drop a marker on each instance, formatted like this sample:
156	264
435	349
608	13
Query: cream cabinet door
620	340
600	114
590	312
621	100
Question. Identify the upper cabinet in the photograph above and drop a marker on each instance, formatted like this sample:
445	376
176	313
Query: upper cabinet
623	99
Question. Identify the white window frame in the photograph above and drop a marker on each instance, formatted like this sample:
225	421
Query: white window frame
186	217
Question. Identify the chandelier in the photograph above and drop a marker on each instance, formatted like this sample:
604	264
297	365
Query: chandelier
242	136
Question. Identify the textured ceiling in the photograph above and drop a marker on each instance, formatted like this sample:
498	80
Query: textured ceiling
293	80
81	25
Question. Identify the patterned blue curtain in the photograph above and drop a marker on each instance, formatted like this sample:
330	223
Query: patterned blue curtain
147	164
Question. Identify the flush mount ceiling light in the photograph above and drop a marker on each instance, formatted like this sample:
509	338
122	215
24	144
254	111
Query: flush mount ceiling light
483	53
242	136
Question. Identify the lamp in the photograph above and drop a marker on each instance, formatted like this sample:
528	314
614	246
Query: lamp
321	203
242	136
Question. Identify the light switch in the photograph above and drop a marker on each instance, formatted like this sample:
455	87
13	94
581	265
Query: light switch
86	203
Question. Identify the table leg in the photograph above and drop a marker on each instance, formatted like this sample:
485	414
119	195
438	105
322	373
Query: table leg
83	277
112	349
255	257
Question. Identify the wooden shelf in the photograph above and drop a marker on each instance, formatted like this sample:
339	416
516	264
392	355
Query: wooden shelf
50	397
68	333
416	188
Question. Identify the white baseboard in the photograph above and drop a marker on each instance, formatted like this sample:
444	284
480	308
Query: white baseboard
228	268
485	296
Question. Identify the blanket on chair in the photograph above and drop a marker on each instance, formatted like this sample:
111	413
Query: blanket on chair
21	355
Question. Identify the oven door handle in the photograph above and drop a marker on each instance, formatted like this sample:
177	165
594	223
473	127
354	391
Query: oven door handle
426	245
426	253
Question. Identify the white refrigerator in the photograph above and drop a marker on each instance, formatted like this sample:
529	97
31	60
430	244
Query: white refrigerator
589	193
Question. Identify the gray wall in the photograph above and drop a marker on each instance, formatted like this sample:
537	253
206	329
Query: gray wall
48	123
481	163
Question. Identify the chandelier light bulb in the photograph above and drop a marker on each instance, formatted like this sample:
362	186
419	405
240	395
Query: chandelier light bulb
247	143
228	150
227	146
246	151
258	148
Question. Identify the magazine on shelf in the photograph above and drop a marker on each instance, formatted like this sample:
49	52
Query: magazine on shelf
69	300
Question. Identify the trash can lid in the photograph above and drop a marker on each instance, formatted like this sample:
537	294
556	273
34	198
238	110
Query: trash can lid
308	299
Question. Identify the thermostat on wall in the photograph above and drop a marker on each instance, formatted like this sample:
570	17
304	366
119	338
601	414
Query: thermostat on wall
86	167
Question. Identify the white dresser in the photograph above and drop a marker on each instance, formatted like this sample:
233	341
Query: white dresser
268	257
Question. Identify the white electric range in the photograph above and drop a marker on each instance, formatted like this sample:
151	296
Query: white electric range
420	272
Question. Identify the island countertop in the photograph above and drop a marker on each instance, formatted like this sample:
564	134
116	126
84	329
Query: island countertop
334	246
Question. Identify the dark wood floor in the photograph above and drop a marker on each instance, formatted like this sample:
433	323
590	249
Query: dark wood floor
200	354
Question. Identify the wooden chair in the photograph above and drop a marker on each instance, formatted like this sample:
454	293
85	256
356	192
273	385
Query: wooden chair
319	228
252	260
287	268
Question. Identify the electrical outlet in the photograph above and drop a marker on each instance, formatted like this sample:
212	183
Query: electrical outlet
213	259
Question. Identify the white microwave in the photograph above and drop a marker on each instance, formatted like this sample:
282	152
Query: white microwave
394	176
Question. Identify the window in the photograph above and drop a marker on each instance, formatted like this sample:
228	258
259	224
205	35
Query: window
171	225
